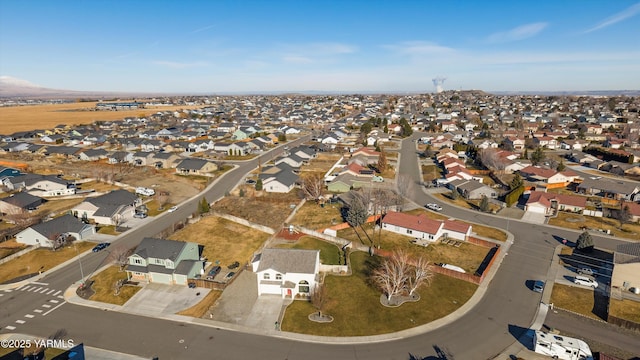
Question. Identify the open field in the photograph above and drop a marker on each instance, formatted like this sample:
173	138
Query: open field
104	287
41	259
10	247
254	205
625	309
22	118
356	308
322	163
223	240
577	221
313	216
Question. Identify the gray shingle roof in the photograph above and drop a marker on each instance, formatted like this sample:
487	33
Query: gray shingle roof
116	197
192	164
289	260
60	225
22	200
159	248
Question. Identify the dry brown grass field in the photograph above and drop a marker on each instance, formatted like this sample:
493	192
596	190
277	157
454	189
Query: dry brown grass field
23	118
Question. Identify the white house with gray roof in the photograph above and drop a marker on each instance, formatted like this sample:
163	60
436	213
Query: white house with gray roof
47	233
108	209
165	261
287	272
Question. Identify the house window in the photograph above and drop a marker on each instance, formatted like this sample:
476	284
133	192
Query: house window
409	231
303	286
137	261
278	276
266	276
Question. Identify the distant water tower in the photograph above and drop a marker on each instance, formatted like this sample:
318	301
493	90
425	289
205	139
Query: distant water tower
437	82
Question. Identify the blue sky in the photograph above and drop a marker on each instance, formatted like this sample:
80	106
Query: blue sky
330	45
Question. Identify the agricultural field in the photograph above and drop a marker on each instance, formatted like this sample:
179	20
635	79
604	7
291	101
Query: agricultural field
23	118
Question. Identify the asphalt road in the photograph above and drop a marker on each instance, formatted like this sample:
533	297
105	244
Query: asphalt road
507	308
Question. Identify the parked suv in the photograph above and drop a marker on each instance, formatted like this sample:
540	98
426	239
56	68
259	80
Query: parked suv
583	280
213	272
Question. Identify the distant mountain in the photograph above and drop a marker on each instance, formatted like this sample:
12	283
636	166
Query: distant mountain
11	87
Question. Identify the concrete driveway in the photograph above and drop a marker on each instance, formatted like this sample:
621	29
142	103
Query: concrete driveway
159	299
533	217
239	304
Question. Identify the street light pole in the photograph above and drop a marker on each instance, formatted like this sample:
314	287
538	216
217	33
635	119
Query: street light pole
79	262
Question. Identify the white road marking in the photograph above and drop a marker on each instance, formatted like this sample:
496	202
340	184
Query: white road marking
1	294
34	289
54	301
46	306
50	291
8	290
24	288
20	321
29	316
60	297
57	292
38	310
40	283
10	327
54	308
44	290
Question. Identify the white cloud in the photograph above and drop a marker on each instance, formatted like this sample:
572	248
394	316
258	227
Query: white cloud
179	65
293	59
413	48
518	33
614	19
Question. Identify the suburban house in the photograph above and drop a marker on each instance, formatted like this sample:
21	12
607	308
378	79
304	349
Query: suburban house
473	190
109	209
50	233
40	185
281	182
422	227
626	267
196	167
286	272
609	188
8	172
165	262
19	202
545	203
548	176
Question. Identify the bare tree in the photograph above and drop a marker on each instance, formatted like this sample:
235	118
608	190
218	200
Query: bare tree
490	159
383	199
117	220
119	255
382	161
21	217
162	197
418	275
357	214
312	185
319	297
392	275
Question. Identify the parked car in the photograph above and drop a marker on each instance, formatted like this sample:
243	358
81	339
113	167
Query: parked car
434	207
234	265
140	215
229	275
173	208
192	285
213	272
585	281
538	286
587	271
100	246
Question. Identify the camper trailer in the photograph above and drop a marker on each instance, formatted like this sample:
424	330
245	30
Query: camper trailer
561	347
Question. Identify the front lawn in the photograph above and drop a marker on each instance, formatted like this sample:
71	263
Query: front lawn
577	221
103	286
356	308
625	309
574	299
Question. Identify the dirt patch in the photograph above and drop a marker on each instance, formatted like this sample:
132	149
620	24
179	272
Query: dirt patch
262	208
285	234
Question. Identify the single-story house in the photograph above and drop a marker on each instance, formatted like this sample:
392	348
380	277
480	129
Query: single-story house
196	167
165	261
473	190
47	233
422	227
19	202
287	272
545	203
282	182
626	267
108	209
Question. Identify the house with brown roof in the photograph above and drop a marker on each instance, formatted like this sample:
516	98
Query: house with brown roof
544	202
424	228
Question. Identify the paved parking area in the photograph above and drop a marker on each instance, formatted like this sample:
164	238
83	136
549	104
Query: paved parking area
159	299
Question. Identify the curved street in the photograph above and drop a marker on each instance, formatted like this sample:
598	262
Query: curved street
493	324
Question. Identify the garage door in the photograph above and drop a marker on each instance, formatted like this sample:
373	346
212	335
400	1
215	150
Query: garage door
161	278
270	289
536	209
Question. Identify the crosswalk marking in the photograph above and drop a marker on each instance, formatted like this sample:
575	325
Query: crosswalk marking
50	291
10	327
24	288
1	294
60	297
20	288
46	305
20	321
54	301
34	289
8	290
44	290
29	316
40	283
57	292
38	310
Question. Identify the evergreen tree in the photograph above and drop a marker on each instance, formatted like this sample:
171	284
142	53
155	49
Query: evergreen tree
204	206
259	184
561	166
585	242
484	204
454	194
516	182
